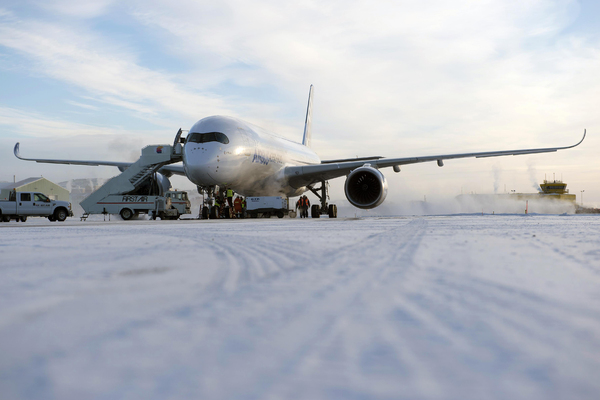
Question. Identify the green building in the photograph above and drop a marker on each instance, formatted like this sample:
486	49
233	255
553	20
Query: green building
41	185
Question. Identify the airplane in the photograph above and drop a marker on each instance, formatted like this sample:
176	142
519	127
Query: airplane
222	151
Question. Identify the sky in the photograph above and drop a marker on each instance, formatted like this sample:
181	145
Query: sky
101	79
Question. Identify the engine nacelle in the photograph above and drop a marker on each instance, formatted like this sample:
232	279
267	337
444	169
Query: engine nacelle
366	187
163	182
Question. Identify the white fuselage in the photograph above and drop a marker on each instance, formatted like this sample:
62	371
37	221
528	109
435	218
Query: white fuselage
228	152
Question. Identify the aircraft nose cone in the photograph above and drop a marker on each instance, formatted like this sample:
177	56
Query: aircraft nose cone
201	163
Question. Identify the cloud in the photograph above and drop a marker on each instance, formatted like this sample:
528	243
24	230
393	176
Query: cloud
113	76
75	8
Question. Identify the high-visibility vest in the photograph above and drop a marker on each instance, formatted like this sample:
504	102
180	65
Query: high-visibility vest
229	193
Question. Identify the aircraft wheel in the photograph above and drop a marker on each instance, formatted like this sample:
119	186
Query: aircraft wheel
315	211
227	212
126	214
204	212
214	213
332	211
23	218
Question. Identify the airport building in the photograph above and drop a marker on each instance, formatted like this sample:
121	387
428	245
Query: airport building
37	184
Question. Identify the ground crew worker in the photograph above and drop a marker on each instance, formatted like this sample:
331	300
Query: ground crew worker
306	206
243	207
218	204
222	202
230	197
237	206
298	202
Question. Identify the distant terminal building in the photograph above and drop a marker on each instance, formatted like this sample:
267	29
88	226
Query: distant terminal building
38	184
549	190
555	190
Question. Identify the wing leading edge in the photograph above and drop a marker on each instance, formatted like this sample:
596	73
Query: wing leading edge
167	170
305	175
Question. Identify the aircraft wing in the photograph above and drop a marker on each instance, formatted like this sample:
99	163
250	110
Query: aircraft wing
167	170
172	169
299	176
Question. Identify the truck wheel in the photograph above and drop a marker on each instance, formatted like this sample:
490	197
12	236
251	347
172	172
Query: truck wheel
253	215
60	214
51	218
280	214
315	211
332	211
23	218
126	214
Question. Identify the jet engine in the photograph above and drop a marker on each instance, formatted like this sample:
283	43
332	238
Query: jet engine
163	182
366	187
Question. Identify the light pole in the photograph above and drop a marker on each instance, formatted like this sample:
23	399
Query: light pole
581	198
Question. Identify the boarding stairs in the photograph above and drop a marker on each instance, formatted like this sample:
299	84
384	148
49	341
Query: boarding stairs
152	159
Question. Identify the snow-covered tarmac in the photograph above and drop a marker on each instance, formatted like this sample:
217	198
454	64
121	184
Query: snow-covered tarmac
455	307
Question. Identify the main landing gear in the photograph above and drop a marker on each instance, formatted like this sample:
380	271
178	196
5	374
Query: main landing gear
207	209
324	209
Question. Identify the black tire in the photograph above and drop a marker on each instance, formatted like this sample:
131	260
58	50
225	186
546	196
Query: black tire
227	212
6	218
51	218
280	214
60	214
204	212
126	214
253	215
332	211
23	218
214	213
315	211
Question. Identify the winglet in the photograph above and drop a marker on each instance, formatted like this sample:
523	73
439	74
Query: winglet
16	151
308	120
577	144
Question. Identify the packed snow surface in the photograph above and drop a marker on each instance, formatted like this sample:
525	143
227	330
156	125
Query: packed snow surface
445	307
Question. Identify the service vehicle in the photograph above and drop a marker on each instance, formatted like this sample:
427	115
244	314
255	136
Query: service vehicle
21	205
170	206
267	206
180	201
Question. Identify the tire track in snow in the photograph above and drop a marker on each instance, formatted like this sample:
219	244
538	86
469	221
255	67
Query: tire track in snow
334	302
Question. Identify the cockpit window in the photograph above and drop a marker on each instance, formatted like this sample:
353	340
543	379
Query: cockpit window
208	137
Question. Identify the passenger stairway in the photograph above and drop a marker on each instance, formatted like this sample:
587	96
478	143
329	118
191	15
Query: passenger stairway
152	159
